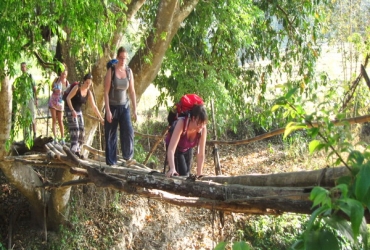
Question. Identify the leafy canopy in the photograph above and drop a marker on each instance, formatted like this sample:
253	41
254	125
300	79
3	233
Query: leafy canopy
236	52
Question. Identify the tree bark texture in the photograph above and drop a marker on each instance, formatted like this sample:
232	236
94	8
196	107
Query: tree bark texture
6	110
325	177
170	14
59	198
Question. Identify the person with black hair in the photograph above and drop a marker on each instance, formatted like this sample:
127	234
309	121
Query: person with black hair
78	96
118	82
187	133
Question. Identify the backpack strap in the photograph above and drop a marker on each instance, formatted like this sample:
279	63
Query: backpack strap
113	75
113	71
128	73
186	124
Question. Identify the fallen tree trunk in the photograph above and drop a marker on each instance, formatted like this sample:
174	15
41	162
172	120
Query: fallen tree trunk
325	177
202	194
283	192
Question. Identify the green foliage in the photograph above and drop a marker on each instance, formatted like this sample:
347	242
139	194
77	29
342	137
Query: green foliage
296	144
326	229
33	26
71	238
140	152
36	29
143	145
21	116
268	232
218	52
241	245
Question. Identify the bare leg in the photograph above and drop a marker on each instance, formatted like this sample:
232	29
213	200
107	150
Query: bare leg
53	120
60	122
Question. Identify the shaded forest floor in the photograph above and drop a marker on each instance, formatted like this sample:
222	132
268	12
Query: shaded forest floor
106	219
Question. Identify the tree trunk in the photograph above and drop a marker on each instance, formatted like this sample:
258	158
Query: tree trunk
253	194
59	198
168	19
26	181
207	194
325	177
5	114
20	176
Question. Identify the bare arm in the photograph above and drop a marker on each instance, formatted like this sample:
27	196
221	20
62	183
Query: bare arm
132	93
54	85
107	86
175	138
95	108
71	94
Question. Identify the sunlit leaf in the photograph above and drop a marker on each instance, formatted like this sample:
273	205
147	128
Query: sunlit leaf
275	107
318	195
314	145
241	245
293	126
220	246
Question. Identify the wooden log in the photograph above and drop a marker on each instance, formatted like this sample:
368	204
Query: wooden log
325	177
20	148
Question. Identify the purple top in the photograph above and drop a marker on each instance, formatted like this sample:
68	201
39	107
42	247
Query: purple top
184	143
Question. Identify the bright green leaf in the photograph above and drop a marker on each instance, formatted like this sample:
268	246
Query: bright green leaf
241	245
314	146
363	182
220	246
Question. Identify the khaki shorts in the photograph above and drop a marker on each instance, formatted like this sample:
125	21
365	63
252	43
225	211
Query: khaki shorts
32	108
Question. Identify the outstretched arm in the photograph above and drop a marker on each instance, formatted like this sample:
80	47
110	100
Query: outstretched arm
71	94
131	89
107	86
95	108
175	138
201	151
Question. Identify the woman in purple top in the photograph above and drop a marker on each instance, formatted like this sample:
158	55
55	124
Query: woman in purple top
182	141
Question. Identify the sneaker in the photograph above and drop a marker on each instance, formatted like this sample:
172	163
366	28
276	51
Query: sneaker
129	162
79	155
62	142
